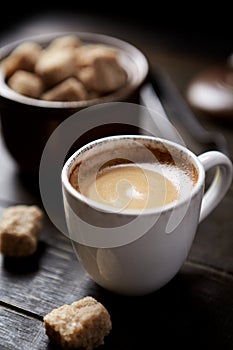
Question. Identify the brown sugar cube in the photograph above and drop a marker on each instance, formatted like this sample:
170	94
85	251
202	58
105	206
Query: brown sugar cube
68	90
20	228
99	69
28	52
53	66
26	83
10	65
83	324
110	75
86	54
24	56
65	41
106	75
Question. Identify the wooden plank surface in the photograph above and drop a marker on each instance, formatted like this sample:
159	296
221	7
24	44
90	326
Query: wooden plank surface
47	279
21	332
195	306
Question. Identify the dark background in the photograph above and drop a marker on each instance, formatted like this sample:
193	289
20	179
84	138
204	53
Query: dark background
197	27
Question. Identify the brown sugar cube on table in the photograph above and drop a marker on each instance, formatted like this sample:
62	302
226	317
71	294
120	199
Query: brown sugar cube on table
20	228
81	325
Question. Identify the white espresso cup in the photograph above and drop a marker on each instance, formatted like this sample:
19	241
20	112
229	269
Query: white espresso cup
133	204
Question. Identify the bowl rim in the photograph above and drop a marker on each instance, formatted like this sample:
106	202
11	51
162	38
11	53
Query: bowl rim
130	51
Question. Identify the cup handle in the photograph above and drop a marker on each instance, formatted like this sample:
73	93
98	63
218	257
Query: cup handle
220	183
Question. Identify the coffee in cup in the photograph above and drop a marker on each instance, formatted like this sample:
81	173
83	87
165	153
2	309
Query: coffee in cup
148	177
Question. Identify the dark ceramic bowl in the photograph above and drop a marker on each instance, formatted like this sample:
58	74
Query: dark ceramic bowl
27	123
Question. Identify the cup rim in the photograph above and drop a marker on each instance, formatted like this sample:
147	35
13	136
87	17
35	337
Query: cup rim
71	161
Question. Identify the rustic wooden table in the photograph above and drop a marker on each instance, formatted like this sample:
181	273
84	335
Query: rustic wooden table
194	310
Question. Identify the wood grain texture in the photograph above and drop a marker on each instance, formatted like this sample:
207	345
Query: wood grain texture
18	332
196	305
48	278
